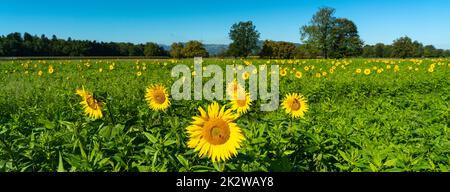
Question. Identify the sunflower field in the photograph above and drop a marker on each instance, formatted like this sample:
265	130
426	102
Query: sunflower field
364	115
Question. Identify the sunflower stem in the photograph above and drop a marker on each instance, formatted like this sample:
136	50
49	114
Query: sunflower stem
290	125
111	117
222	166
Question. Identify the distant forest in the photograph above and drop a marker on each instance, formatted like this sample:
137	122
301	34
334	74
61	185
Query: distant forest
16	45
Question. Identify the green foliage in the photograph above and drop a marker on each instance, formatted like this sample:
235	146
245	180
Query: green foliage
402	47
153	49
277	50
176	50
306	51
245	38
14	44
333	37
194	49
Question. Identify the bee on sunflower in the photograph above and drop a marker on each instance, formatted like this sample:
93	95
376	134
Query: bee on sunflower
92	107
295	105
214	133
157	97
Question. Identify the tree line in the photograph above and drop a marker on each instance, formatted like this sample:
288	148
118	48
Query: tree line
325	36
16	44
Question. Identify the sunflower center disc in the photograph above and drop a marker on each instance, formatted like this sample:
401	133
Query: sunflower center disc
241	102
235	88
295	105
159	97
217	131
91	103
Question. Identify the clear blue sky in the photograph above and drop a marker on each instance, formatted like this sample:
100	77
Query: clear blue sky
209	21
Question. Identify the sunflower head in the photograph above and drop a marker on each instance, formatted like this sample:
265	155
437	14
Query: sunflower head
234	88
214	134
246	75
283	72
157	97
92	107
295	105
241	105
83	93
298	74
381	70
50	69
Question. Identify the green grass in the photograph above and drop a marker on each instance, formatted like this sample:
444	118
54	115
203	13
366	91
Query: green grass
393	121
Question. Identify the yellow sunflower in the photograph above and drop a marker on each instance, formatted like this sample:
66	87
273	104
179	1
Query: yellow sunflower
157	97
233	88
241	106
367	71
396	68
379	71
245	75
298	74
358	71
295	105
283	72
83	93
214	133
91	106
50	69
